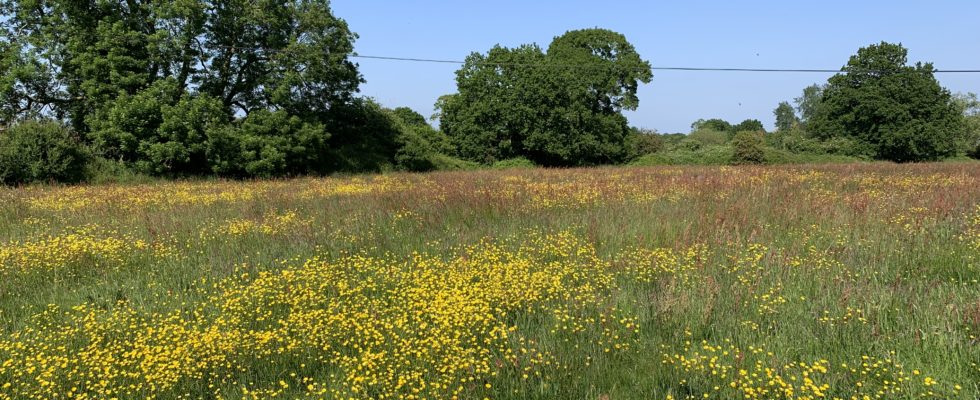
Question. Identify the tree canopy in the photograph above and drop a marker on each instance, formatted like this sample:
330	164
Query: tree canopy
176	87
785	117
562	106
900	111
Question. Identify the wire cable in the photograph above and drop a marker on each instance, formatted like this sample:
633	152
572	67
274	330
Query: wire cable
655	68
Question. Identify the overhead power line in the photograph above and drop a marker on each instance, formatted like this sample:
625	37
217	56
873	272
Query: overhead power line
655	68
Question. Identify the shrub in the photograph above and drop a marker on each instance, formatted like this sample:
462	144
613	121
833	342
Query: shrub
710	137
443	162
265	144
709	155
779	156
688	144
415	153
39	151
513	163
748	148
418	143
102	171
640	142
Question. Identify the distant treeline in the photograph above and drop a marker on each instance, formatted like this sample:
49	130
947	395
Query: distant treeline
235	88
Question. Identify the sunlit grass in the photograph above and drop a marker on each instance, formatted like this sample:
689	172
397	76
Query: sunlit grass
840	281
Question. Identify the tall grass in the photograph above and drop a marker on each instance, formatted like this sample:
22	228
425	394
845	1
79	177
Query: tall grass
839	280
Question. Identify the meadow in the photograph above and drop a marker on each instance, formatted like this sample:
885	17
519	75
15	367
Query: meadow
849	281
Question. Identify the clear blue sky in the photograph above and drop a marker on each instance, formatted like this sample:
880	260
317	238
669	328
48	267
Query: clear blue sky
743	34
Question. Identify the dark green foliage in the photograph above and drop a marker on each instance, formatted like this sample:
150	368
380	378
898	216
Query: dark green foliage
154	85
748	147
749	125
267	143
24	82
714	124
562	107
273	54
720	125
672	140
496	108
409	116
40	151
364	137
641	142
157	130
900	111
798	142
419	145
785	117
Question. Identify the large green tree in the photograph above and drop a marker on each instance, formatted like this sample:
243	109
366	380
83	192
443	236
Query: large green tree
970	104
148	82
809	101
562	106
785	117
898	110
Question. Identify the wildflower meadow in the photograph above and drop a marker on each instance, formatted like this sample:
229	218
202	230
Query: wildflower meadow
852	281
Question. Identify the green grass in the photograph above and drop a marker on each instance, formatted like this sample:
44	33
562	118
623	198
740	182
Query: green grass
813	263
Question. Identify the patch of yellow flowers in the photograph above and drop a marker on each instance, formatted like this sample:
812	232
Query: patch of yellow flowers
423	327
728	371
87	245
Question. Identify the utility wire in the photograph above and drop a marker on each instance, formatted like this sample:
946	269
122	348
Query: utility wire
832	71
553	65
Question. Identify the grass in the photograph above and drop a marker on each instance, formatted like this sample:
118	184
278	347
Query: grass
820	281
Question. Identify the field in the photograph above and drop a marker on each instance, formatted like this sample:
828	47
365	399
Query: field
840	281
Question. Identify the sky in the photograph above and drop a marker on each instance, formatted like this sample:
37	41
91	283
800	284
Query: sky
740	34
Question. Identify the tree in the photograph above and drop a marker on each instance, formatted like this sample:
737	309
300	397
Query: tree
560	107
409	116
147	82
785	117
970	104
898	110
751	125
502	96
809	102
270	54
714	124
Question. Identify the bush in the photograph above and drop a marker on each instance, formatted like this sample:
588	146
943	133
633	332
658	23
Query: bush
710	137
40	151
688	144
443	162
513	163
975	152
101	171
640	142
266	144
779	156
419	145
415	153
748	148
710	155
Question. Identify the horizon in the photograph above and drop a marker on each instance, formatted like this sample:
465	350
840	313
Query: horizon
716	35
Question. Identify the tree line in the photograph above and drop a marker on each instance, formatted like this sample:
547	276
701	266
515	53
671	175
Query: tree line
237	88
